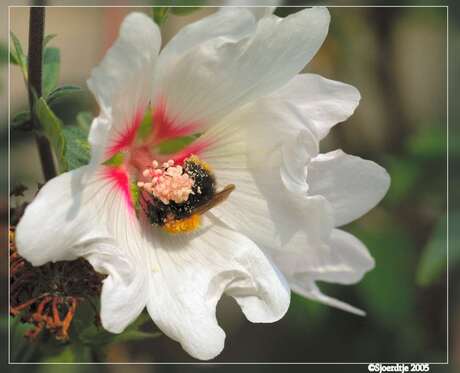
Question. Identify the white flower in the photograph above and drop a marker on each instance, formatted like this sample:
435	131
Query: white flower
231	79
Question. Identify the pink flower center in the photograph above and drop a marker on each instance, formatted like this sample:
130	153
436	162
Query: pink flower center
167	182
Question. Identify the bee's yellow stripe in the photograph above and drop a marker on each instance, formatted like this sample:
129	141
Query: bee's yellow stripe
184	225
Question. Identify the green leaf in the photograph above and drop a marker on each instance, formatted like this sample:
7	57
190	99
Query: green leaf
21	119
433	262
52	127
175	145
116	160
21	349
84	120
97	337
13	59
47	39
184	10
17	55
160	14
62	92
3	54
77	149
51	62
135	335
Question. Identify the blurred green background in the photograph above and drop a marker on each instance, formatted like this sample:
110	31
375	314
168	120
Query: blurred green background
397	58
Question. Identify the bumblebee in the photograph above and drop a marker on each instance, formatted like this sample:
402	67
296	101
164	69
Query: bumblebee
184	217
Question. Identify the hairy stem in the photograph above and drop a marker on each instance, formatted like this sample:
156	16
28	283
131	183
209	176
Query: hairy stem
35	61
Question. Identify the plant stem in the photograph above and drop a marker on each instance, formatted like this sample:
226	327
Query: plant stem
35	61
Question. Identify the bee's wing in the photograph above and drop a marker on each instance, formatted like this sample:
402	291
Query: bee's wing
217	199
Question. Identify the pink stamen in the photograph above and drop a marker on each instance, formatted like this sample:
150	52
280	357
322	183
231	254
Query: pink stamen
168	183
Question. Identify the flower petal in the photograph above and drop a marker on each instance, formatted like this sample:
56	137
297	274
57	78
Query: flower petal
193	271
43	237
349	256
262	207
257	7
296	154
123	81
89	219
230	23
124	291
341	259
313	101
218	76
309	289
351	184
262	11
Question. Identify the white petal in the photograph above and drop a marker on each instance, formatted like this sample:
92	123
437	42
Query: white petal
124	291
262	207
43	236
349	256
296	154
98	137
88	219
230	23
258	7
193	271
310	100
220	75
351	184
341	259
308	289
123	81
261	12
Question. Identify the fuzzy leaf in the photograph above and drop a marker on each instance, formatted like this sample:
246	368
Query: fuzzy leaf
77	149
48	38
98	337
61	92
51	63
3	54
84	120
160	14
184	10
17	56
20	119
52	127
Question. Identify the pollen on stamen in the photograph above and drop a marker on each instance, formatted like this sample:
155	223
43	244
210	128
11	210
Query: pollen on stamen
168	183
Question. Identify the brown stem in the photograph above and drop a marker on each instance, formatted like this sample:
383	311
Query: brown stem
35	61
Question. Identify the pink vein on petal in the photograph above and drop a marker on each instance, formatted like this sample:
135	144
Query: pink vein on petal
167	127
195	148
119	177
127	136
